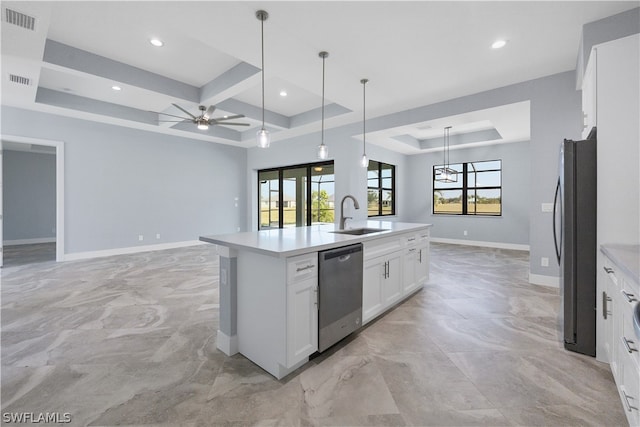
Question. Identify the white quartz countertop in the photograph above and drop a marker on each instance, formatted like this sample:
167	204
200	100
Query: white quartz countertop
627	257
285	242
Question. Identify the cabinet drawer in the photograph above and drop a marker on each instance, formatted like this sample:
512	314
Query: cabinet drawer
629	340
610	270
302	267
630	392
423	236
380	247
410	239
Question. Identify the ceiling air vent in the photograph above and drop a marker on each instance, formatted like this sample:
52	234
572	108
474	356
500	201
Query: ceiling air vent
19	19
13	78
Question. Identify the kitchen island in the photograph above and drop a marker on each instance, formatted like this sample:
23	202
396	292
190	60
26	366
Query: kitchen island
269	284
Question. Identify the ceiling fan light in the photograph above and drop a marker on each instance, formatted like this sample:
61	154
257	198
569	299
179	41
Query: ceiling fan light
323	151
203	126
264	138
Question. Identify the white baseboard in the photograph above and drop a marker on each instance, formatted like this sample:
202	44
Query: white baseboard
29	241
497	245
228	345
130	250
539	279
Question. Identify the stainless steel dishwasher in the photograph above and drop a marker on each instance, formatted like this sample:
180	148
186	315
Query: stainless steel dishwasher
340	294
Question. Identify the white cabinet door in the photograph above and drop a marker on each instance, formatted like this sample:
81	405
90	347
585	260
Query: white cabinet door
372	288
410	279
302	320
422	265
392	280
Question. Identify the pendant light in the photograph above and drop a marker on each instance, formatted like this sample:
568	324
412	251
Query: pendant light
445	173
263	136
323	150
364	161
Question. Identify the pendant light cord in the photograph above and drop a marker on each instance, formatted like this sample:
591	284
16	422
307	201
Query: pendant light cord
444	151
262	38
364	106
324	56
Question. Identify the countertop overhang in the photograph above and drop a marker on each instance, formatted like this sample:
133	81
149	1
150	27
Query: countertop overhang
626	256
286	242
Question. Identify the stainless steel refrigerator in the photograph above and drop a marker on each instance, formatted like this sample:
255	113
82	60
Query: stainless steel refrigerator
574	231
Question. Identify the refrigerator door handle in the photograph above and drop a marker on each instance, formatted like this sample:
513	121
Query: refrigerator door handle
556	205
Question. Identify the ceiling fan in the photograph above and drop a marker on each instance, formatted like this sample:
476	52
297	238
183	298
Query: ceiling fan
204	120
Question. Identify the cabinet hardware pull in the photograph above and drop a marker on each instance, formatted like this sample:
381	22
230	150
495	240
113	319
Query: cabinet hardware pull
626	401
412	250
626	342
315	291
608	270
306	267
420	256
629	297
605	299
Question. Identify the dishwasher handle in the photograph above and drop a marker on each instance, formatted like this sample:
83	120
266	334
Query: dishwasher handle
341	252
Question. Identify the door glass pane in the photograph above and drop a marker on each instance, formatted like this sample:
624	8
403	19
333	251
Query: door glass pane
322	194
294	200
269	195
372	202
387	170
387	202
447	201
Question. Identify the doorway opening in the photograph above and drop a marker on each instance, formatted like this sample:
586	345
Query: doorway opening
31	200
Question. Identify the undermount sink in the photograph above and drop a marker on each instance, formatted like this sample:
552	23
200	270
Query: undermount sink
359	231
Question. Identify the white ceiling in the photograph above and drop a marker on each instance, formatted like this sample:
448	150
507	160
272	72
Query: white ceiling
414	53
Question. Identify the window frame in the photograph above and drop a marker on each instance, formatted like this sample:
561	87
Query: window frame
380	188
280	202
466	189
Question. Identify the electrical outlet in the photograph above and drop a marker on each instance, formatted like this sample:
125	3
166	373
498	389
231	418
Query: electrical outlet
157	235
464	232
140	237
544	261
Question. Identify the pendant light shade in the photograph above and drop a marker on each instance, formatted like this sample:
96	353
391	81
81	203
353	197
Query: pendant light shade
263	136
323	150
364	160
445	173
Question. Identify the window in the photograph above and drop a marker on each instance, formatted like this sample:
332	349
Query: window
381	183
479	183
296	196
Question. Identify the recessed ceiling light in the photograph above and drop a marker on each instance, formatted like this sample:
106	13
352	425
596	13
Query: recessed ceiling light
156	42
283	93
498	44
116	88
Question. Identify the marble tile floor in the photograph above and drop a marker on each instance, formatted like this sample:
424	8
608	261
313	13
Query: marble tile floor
14	255
131	340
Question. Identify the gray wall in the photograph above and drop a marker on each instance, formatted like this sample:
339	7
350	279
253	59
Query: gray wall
512	227
350	178
122	182
29	195
555	108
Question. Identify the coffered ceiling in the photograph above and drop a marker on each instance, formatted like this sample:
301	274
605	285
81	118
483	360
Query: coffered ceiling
66	57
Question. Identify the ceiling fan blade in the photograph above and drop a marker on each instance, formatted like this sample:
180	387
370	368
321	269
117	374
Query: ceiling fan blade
174	121
231	124
179	117
183	110
209	112
237	116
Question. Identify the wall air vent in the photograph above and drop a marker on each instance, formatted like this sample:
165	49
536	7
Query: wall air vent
20	19
19	79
